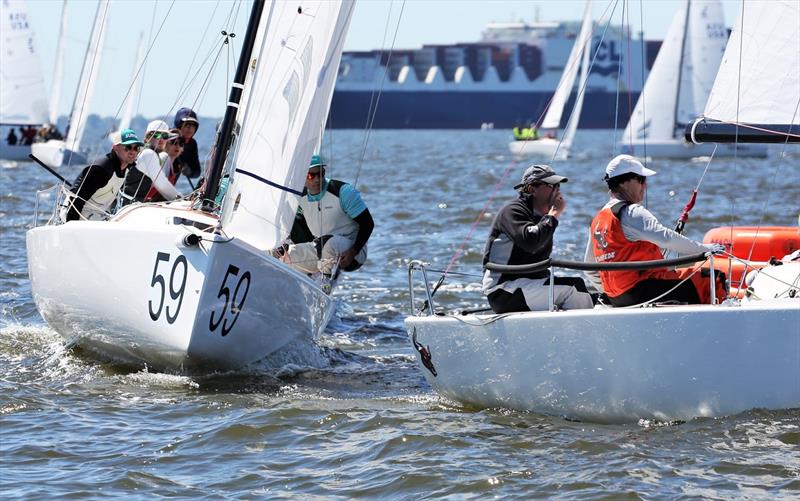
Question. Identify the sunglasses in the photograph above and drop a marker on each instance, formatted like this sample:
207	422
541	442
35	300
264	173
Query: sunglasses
129	147
160	135
312	175
179	141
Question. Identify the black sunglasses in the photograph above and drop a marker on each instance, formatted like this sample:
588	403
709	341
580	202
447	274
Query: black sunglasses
129	147
179	141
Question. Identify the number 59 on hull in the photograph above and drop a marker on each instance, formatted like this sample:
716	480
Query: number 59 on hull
205	301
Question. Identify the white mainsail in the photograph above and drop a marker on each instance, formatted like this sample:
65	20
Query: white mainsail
22	94
682	74
296	64
759	79
552	119
58	69
89	77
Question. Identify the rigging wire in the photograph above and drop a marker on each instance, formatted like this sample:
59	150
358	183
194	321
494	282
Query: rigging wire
616	105
576	61
641	93
373	111
147	54
582	90
85	96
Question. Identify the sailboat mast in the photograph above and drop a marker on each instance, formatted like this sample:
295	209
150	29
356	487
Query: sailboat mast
680	67
226	130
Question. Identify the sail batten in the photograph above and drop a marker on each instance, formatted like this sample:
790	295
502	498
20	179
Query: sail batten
286	99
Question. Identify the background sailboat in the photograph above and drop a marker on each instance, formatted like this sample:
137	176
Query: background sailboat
679	85
56	152
198	289
23	101
551	147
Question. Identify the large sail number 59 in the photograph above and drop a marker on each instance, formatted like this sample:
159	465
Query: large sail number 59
232	302
175	293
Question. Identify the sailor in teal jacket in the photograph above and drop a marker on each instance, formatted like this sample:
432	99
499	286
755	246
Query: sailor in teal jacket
332	225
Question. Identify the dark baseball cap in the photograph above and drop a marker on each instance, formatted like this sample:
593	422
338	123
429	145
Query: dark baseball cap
540	174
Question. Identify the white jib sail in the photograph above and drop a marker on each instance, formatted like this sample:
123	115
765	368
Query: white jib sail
660	93
765	81
22	93
552	119
58	69
287	98
89	75
706	37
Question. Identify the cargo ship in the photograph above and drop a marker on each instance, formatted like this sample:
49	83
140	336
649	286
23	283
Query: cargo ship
505	79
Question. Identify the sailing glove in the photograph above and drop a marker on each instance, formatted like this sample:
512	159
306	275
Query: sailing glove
716	249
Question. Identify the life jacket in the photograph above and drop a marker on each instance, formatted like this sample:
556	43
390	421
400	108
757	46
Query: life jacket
610	246
324	214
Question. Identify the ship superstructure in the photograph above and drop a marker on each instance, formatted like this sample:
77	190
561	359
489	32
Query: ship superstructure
505	79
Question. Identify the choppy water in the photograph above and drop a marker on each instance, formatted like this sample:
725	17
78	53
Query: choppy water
362	421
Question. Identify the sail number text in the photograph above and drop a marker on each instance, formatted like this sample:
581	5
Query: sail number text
234	301
176	288
169	292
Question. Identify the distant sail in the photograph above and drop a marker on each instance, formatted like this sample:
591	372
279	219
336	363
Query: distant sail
89	77
23	99
58	69
552	119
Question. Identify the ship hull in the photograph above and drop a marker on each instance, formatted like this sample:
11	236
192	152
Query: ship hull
468	109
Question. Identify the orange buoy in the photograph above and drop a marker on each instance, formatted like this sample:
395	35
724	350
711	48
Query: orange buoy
766	241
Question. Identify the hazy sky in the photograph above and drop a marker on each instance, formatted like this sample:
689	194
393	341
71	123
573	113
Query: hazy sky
182	36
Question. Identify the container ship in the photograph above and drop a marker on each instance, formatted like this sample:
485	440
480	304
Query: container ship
505	79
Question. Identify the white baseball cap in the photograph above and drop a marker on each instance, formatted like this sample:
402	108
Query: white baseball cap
157	125
624	164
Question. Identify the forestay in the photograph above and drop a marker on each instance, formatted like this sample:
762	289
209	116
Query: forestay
759	79
286	101
552	119
89	77
22	93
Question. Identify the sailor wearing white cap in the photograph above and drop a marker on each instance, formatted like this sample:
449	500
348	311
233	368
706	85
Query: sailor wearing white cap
623	230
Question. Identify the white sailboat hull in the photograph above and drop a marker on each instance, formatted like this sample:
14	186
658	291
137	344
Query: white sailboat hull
617	365
678	148
540	148
54	153
129	289
16	153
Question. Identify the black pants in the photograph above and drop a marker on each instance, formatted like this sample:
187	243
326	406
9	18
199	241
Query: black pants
654	287
506	302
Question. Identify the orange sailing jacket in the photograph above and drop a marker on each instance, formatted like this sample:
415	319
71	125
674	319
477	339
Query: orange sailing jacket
610	246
